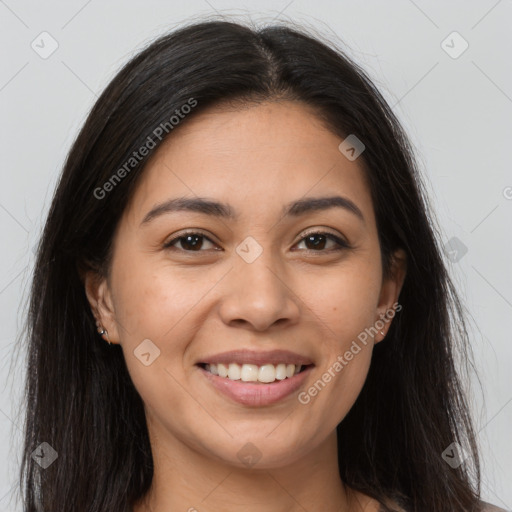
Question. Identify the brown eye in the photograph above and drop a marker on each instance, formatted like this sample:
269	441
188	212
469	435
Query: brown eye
317	242
190	242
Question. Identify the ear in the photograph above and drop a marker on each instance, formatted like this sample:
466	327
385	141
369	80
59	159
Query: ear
100	299
390	291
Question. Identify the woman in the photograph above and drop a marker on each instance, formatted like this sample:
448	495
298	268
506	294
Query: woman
242	222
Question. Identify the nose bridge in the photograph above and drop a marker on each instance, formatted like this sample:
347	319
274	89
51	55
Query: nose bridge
259	277
257	292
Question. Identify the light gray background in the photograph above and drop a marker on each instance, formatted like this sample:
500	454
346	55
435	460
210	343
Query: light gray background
456	111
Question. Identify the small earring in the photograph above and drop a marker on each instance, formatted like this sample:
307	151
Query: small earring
382	332
104	331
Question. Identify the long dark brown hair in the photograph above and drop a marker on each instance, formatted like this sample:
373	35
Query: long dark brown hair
79	397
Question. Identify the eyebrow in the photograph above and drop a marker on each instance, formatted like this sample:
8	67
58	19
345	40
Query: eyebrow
225	211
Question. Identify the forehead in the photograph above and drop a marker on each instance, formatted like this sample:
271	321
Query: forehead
255	157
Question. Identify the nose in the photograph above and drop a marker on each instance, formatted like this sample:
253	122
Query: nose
257	295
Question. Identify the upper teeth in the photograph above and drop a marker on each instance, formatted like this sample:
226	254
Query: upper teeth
253	373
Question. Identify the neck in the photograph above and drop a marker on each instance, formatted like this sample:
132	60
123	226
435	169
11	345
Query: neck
185	479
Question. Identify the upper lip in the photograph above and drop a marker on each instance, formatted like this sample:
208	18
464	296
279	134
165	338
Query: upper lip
258	358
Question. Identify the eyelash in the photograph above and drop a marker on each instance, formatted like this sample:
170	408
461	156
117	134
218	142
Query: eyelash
342	244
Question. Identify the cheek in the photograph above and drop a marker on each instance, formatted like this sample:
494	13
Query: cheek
152	299
343	299
345	304
163	305
333	392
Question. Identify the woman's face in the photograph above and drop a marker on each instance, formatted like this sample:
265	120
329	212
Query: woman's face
266	279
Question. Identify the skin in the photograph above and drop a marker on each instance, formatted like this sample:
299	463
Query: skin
197	303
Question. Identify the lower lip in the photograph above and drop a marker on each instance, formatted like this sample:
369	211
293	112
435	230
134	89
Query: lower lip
249	393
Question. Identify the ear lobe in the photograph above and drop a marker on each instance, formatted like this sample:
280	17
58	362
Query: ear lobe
100	299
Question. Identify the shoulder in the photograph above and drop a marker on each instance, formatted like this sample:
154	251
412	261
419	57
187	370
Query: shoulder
488	507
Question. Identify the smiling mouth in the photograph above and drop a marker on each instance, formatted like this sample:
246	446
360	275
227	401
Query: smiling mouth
264	374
